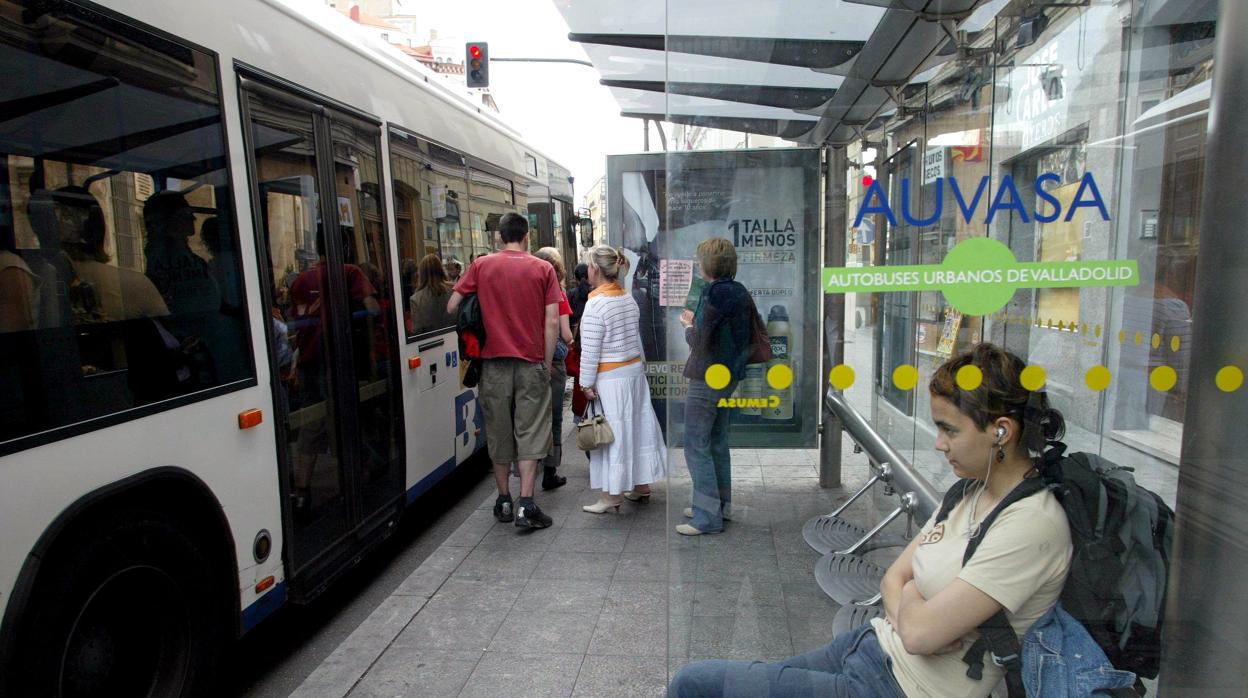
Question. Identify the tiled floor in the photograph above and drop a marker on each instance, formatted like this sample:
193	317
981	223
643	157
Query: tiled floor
605	605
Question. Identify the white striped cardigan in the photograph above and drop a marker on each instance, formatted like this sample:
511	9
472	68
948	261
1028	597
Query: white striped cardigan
609	334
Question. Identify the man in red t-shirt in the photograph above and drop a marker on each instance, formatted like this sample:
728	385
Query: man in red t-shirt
519	296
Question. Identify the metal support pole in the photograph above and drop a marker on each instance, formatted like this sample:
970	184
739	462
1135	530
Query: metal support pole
658	125
1204	645
834	220
645	135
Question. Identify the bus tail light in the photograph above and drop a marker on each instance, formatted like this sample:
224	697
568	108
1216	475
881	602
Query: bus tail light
265	584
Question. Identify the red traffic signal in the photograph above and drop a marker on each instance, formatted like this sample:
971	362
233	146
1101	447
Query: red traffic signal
477	64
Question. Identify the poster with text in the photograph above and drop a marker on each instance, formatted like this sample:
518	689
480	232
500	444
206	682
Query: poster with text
767	203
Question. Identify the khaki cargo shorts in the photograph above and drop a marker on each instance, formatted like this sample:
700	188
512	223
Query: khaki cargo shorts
515	396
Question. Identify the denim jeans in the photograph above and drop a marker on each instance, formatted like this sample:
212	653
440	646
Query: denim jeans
706	455
853	666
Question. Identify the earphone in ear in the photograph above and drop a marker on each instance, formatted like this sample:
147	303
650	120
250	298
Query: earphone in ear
1000	434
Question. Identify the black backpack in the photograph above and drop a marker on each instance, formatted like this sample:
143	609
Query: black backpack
1116	587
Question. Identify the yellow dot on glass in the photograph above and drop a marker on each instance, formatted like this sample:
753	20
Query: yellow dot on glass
1083	329
1122	336
905	377
1033	378
779	376
1163	378
1175	343
1156	340
841	377
1097	378
969	377
1229	379
718	376
1139	337
1097	331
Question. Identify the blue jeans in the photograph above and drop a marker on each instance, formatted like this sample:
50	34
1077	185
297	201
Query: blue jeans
707	456
853	666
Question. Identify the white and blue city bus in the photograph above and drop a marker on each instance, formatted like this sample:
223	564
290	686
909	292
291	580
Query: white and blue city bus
214	394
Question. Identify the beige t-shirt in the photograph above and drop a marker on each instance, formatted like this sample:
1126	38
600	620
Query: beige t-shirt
1021	563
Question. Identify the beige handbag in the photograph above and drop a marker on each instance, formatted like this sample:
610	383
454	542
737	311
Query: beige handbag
593	432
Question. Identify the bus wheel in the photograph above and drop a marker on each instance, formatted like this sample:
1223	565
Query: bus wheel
126	608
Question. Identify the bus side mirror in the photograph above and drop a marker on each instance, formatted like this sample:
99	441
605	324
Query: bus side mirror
586	226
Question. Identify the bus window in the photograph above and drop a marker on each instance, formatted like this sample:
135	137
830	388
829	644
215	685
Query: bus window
429	193
120	281
491	198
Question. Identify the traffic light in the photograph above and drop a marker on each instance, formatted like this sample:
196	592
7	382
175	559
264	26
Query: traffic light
477	63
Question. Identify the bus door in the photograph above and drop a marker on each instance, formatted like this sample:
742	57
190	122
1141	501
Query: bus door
332	342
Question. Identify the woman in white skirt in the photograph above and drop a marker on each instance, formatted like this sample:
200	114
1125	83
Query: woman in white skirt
613	376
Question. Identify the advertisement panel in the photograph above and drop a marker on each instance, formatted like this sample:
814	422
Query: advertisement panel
767	203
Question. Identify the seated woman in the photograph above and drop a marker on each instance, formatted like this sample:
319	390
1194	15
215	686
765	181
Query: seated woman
992	437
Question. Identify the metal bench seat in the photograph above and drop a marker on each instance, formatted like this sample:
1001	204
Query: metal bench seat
848	579
854	616
832	534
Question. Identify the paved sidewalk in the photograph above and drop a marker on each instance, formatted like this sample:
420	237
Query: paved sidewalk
605	605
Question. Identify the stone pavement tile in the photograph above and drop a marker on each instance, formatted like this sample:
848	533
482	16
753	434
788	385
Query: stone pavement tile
512	674
475	595
810	629
745	470
557	564
744	456
773	473
647	539
612	521
786	456
627	677
337	674
807	597
417	673
792	486
431	573
788	539
506	537
463	629
352	658
678	629
473	529
542	595
740	538
757	634
642	567
495	565
658	519
636	598
630	635
728	598
554	633
798	567
591	540
761	567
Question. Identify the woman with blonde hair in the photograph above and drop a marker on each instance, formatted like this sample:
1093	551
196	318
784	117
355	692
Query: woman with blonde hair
558	375
718	332
428	302
613	373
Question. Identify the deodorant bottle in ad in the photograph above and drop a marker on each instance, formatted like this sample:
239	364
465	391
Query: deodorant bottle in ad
781	343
